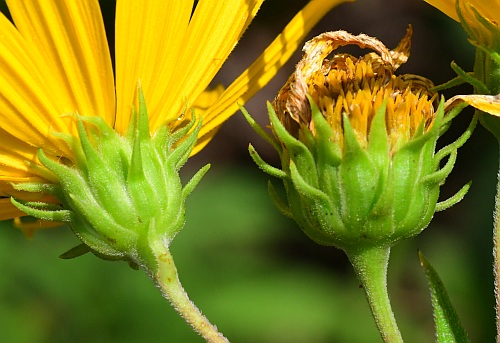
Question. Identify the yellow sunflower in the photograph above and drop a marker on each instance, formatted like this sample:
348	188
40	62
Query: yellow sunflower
488	9
481	20
55	61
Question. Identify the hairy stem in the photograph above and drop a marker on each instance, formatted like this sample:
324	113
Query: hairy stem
167	279
371	267
496	253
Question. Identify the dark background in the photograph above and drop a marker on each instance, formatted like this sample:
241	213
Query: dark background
250	270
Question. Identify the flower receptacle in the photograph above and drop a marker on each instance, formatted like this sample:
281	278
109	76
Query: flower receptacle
357	144
358	198
121	192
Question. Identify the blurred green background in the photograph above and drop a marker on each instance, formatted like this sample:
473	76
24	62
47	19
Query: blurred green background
250	270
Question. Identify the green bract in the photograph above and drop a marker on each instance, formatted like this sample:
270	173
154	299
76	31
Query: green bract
122	193
356	198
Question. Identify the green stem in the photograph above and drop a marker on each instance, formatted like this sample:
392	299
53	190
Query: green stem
496	253
487	70
371	267
167	279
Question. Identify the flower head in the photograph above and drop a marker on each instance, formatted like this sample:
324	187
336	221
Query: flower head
356	87
357	145
481	21
56	68
489	9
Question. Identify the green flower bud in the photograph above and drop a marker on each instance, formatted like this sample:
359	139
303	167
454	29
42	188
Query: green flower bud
120	194
357	145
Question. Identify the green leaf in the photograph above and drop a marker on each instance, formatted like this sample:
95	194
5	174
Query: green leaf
448	326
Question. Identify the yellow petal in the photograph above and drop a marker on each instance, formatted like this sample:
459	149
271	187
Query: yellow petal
28	109
204	140
207	99
487	9
29	227
149	39
68	43
445	6
9	211
15	155
214	30
264	68
486	103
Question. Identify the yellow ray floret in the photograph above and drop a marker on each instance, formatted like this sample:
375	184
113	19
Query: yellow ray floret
55	62
488	9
